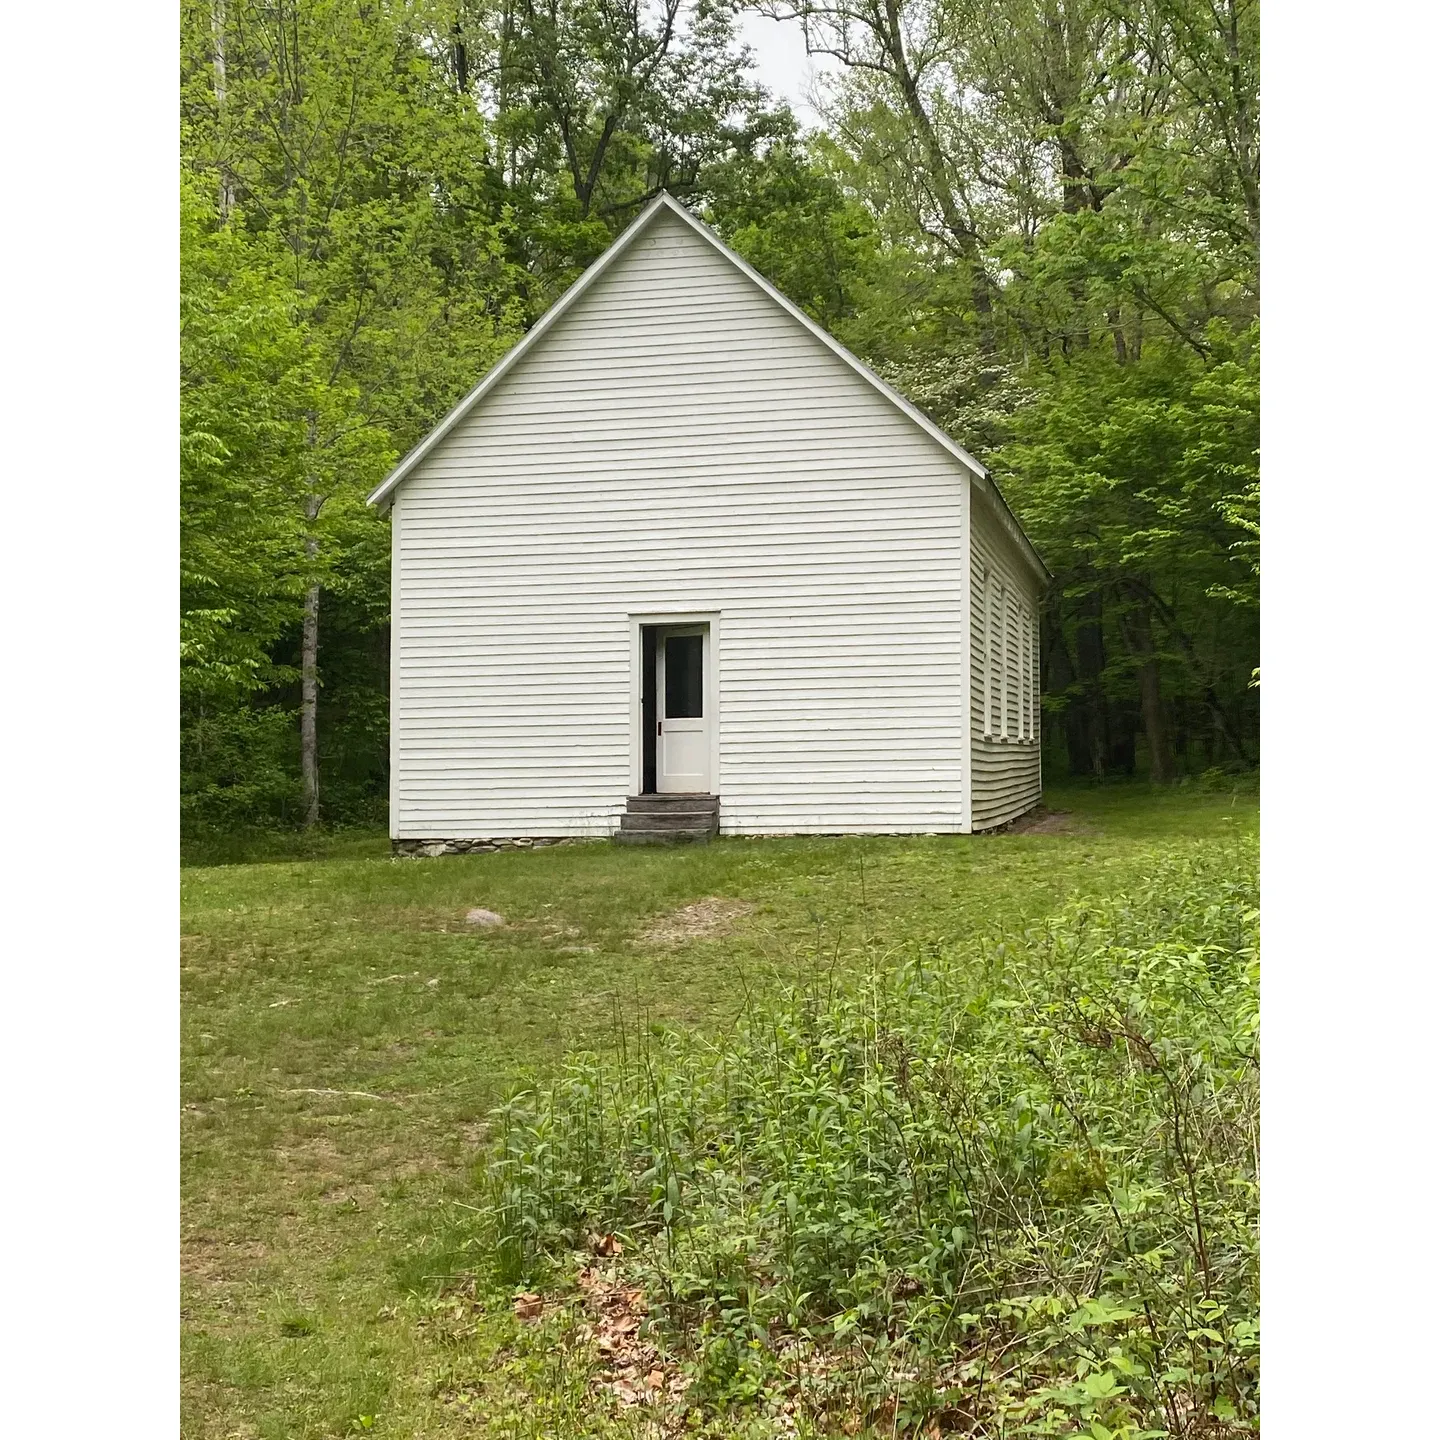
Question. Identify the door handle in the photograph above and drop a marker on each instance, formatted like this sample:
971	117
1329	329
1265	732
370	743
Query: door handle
659	727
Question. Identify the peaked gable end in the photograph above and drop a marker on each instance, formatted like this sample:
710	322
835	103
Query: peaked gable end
672	368
639	284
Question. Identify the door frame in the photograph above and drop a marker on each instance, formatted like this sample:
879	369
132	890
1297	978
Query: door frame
710	619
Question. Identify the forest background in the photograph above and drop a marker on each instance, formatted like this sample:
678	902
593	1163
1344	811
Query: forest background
1039	219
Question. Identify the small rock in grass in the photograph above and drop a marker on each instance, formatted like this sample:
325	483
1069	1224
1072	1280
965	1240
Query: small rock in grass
483	917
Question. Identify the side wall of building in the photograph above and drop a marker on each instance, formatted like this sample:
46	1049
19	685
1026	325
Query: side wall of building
1004	672
679	445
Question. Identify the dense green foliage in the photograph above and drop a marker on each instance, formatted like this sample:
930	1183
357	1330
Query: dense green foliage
1039	220
1013	1189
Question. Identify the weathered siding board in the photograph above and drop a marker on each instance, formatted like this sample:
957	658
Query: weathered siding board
679	445
1006	772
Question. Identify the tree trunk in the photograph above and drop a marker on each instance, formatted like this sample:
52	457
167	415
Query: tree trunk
461	58
217	30
1180	738
509	165
892	36
1090	662
309	676
309	757
1117	329
1141	641
1059	679
1152	710
1247	166
1186	650
1120	741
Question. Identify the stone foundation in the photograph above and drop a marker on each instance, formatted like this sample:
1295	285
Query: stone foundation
486	847
479	847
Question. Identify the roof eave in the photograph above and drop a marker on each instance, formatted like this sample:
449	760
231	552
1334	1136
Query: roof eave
913	412
384	493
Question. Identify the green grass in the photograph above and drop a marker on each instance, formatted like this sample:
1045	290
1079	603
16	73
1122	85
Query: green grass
345	1036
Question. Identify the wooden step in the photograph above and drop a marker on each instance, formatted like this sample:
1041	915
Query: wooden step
663	836
660	804
688	819
669	820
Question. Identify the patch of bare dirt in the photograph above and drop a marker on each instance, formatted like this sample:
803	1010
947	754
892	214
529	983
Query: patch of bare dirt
475	1133
1042	820
708	919
211	1260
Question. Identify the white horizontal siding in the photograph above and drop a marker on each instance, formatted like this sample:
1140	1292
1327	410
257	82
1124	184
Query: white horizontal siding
678	444
1006	771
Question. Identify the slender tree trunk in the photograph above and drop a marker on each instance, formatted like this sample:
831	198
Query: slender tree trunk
461	58
967	241
1090	662
309	662
1141	640
507	30
309	697
1059	678
1246	167
217	31
1117	329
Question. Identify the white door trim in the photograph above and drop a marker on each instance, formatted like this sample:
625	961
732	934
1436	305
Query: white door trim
710	618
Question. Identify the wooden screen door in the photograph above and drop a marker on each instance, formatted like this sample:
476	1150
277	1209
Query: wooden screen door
682	750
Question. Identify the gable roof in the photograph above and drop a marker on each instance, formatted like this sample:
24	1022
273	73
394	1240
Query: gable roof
662	203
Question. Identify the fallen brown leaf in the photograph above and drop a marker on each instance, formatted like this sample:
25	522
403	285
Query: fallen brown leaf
528	1306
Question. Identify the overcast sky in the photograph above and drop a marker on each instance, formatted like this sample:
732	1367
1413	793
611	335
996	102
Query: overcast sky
781	62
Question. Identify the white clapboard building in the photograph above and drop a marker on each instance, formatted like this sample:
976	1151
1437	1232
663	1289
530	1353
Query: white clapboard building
681	560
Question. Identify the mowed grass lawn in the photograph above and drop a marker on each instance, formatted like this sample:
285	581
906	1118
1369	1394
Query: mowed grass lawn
345	1034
